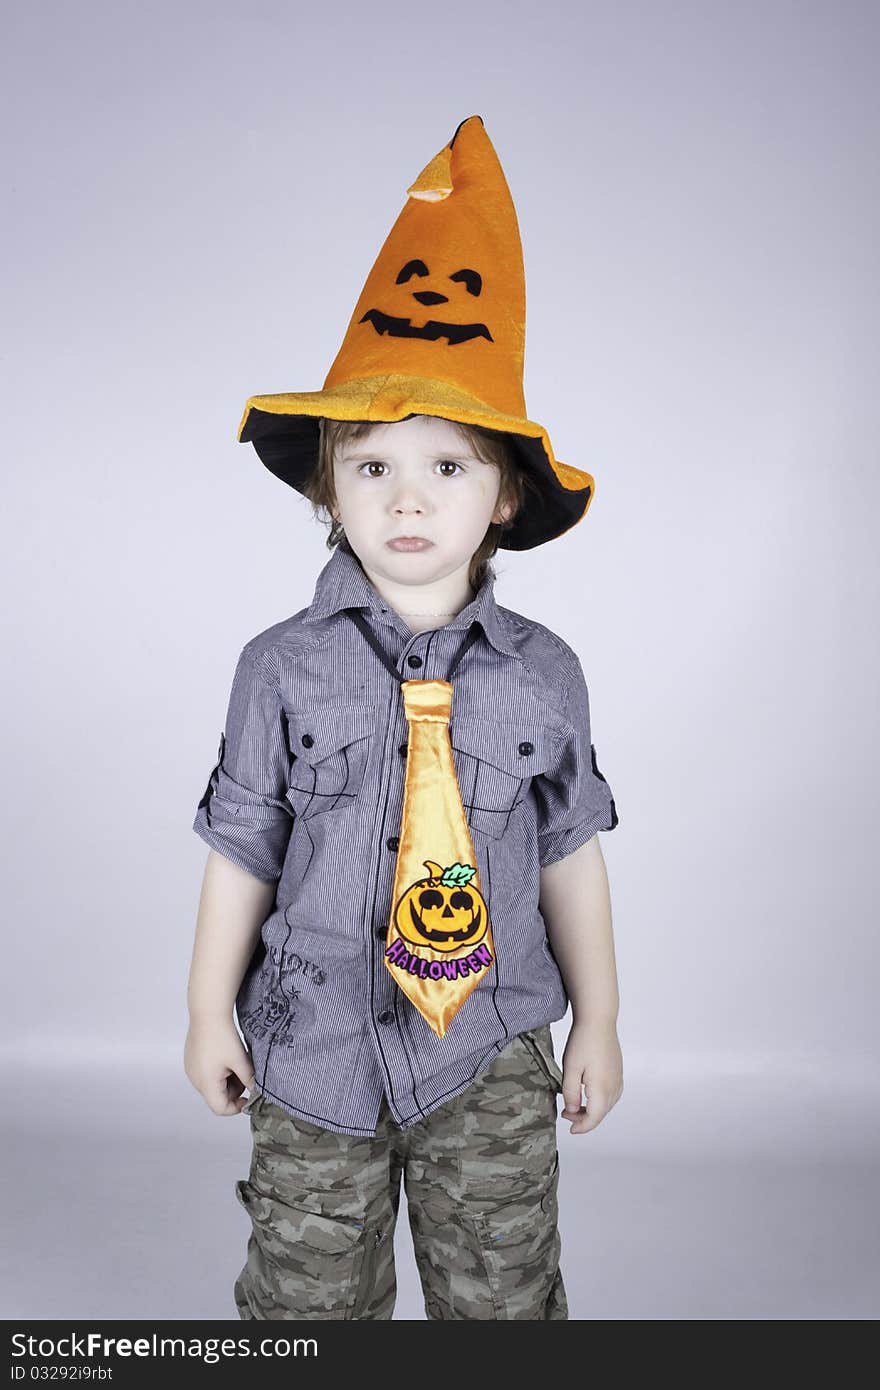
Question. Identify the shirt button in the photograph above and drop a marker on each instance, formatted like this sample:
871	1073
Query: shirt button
393	842
526	747
404	748
382	931
307	740
414	660
386	1016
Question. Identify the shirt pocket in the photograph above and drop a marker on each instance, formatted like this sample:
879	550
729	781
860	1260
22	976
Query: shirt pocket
330	749
494	764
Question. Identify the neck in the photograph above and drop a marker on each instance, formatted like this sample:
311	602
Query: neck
425	605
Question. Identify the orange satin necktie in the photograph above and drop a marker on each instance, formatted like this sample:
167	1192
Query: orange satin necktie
439	940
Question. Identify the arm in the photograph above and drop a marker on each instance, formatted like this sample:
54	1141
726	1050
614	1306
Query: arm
574	802
575	903
232	909
245	820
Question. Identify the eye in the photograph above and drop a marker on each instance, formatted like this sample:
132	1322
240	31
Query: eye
370	463
471	279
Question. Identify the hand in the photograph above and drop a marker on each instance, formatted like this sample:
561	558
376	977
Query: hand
218	1064
591	1057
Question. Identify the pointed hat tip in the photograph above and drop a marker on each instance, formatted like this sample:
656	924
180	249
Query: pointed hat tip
434	183
466	120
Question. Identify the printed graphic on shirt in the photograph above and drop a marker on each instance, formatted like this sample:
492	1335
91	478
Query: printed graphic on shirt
283	1011
297	964
447	913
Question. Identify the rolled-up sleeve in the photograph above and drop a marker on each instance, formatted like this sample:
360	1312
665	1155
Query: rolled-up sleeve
243	813
573	798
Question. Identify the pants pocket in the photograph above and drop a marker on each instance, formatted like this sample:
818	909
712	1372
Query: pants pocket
300	1264
507	1121
377	1283
520	1245
486	1259
539	1041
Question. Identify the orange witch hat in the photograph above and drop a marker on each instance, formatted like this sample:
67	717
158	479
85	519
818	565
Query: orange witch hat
439	329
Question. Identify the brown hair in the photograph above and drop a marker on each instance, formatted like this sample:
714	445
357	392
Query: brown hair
488	445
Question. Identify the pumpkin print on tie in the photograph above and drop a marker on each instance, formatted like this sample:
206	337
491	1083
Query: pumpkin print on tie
439	940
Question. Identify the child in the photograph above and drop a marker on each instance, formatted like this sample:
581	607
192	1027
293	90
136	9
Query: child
406	886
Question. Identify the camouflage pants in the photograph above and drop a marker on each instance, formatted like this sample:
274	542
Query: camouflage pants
480	1175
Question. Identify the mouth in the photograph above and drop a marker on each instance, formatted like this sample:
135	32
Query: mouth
409	543
433	330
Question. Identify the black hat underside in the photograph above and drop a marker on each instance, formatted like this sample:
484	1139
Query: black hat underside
288	447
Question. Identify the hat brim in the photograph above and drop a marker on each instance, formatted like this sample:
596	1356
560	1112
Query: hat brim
284	431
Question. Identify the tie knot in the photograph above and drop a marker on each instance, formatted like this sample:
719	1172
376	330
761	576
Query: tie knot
427	700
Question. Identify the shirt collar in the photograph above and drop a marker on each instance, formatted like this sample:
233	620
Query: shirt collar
342	583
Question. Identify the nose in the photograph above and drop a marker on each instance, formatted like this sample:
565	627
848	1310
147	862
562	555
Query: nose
402	510
408	496
407	504
430	297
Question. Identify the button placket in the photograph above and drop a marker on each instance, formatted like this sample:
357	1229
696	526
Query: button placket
391	845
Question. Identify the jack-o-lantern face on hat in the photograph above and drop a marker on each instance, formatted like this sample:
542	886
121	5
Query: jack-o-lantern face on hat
444	303
401	325
444	911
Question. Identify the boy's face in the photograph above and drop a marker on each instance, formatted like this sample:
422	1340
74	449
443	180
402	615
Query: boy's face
415	477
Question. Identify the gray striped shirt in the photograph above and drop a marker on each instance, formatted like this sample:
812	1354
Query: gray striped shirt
307	793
